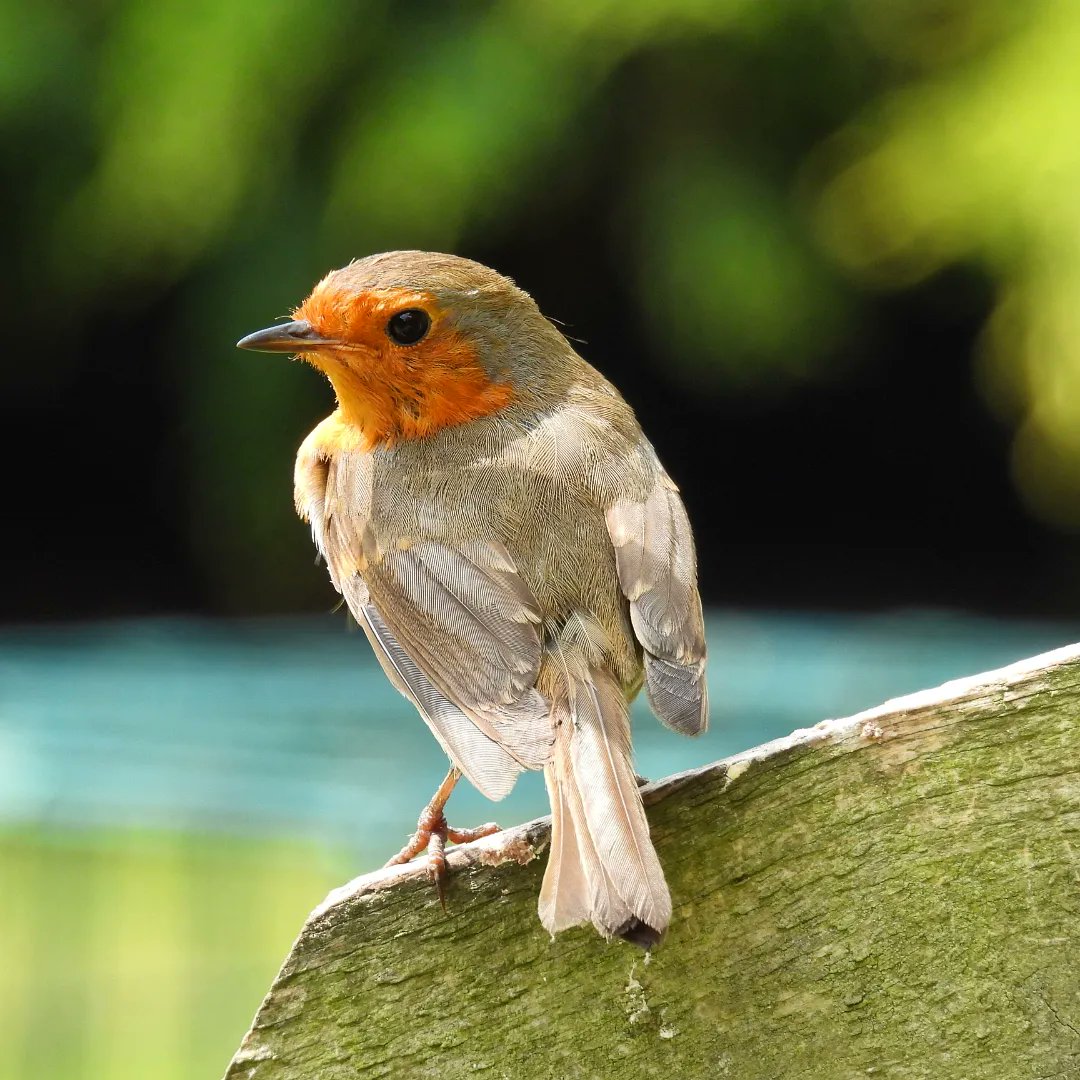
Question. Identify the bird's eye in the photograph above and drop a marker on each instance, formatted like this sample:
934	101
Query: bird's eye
408	327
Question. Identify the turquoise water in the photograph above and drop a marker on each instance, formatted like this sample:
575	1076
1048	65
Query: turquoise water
289	727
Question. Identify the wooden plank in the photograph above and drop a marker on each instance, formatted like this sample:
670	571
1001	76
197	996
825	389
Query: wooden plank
894	894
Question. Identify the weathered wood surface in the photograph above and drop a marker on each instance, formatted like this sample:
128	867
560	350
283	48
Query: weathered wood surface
896	894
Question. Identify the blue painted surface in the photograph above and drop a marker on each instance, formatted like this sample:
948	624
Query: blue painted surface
290	727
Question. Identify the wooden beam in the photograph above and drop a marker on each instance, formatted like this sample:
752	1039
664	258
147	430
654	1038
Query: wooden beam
895	894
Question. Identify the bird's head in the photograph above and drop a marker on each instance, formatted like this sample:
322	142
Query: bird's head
414	342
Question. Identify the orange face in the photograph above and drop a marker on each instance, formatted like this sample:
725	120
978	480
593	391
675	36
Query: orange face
399	367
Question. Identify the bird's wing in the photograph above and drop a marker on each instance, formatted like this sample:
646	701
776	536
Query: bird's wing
467	621
489	768
654	551
454	629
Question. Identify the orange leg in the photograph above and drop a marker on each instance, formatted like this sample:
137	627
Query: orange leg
432	832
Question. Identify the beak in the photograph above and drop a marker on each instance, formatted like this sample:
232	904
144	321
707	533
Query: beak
290	337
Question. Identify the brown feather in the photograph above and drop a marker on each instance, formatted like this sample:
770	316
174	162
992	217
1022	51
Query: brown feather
657	572
599	821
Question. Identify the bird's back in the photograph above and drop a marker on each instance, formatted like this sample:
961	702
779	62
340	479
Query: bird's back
536	481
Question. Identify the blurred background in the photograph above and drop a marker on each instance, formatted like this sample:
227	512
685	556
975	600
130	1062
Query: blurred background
829	251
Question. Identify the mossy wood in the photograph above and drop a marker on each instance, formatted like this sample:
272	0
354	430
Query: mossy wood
891	895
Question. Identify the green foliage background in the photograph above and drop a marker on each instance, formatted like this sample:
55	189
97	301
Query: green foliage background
769	163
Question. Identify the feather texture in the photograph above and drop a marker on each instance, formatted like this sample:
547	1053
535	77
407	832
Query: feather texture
464	617
486	764
654	551
603	866
565	896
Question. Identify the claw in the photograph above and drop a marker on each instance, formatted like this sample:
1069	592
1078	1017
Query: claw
431	835
467	836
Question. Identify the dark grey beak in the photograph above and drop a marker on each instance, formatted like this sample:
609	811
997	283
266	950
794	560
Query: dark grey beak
290	337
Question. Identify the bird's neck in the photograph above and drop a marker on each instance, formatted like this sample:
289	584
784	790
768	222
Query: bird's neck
389	409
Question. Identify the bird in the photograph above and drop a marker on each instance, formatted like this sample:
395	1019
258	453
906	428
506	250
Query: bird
521	563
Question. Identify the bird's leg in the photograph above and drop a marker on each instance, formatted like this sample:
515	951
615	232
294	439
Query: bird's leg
432	832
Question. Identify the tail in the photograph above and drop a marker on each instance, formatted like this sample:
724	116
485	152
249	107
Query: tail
602	867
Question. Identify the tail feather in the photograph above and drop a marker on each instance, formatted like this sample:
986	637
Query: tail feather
564	895
603	867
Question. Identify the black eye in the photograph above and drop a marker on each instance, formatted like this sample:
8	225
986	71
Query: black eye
408	327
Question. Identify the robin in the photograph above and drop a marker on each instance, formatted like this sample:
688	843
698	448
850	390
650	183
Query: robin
514	551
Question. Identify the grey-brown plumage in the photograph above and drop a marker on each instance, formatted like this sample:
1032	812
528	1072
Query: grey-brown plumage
519	576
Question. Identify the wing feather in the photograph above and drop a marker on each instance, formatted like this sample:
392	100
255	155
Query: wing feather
654	551
455	628
487	766
466	622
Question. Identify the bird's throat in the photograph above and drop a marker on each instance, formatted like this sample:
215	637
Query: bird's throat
394	402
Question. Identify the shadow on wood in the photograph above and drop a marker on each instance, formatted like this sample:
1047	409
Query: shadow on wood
894	895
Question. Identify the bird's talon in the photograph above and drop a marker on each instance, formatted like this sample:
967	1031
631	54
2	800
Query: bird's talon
428	827
437	864
432	833
467	836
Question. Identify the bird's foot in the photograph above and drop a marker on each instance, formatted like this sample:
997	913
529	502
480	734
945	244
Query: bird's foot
432	833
